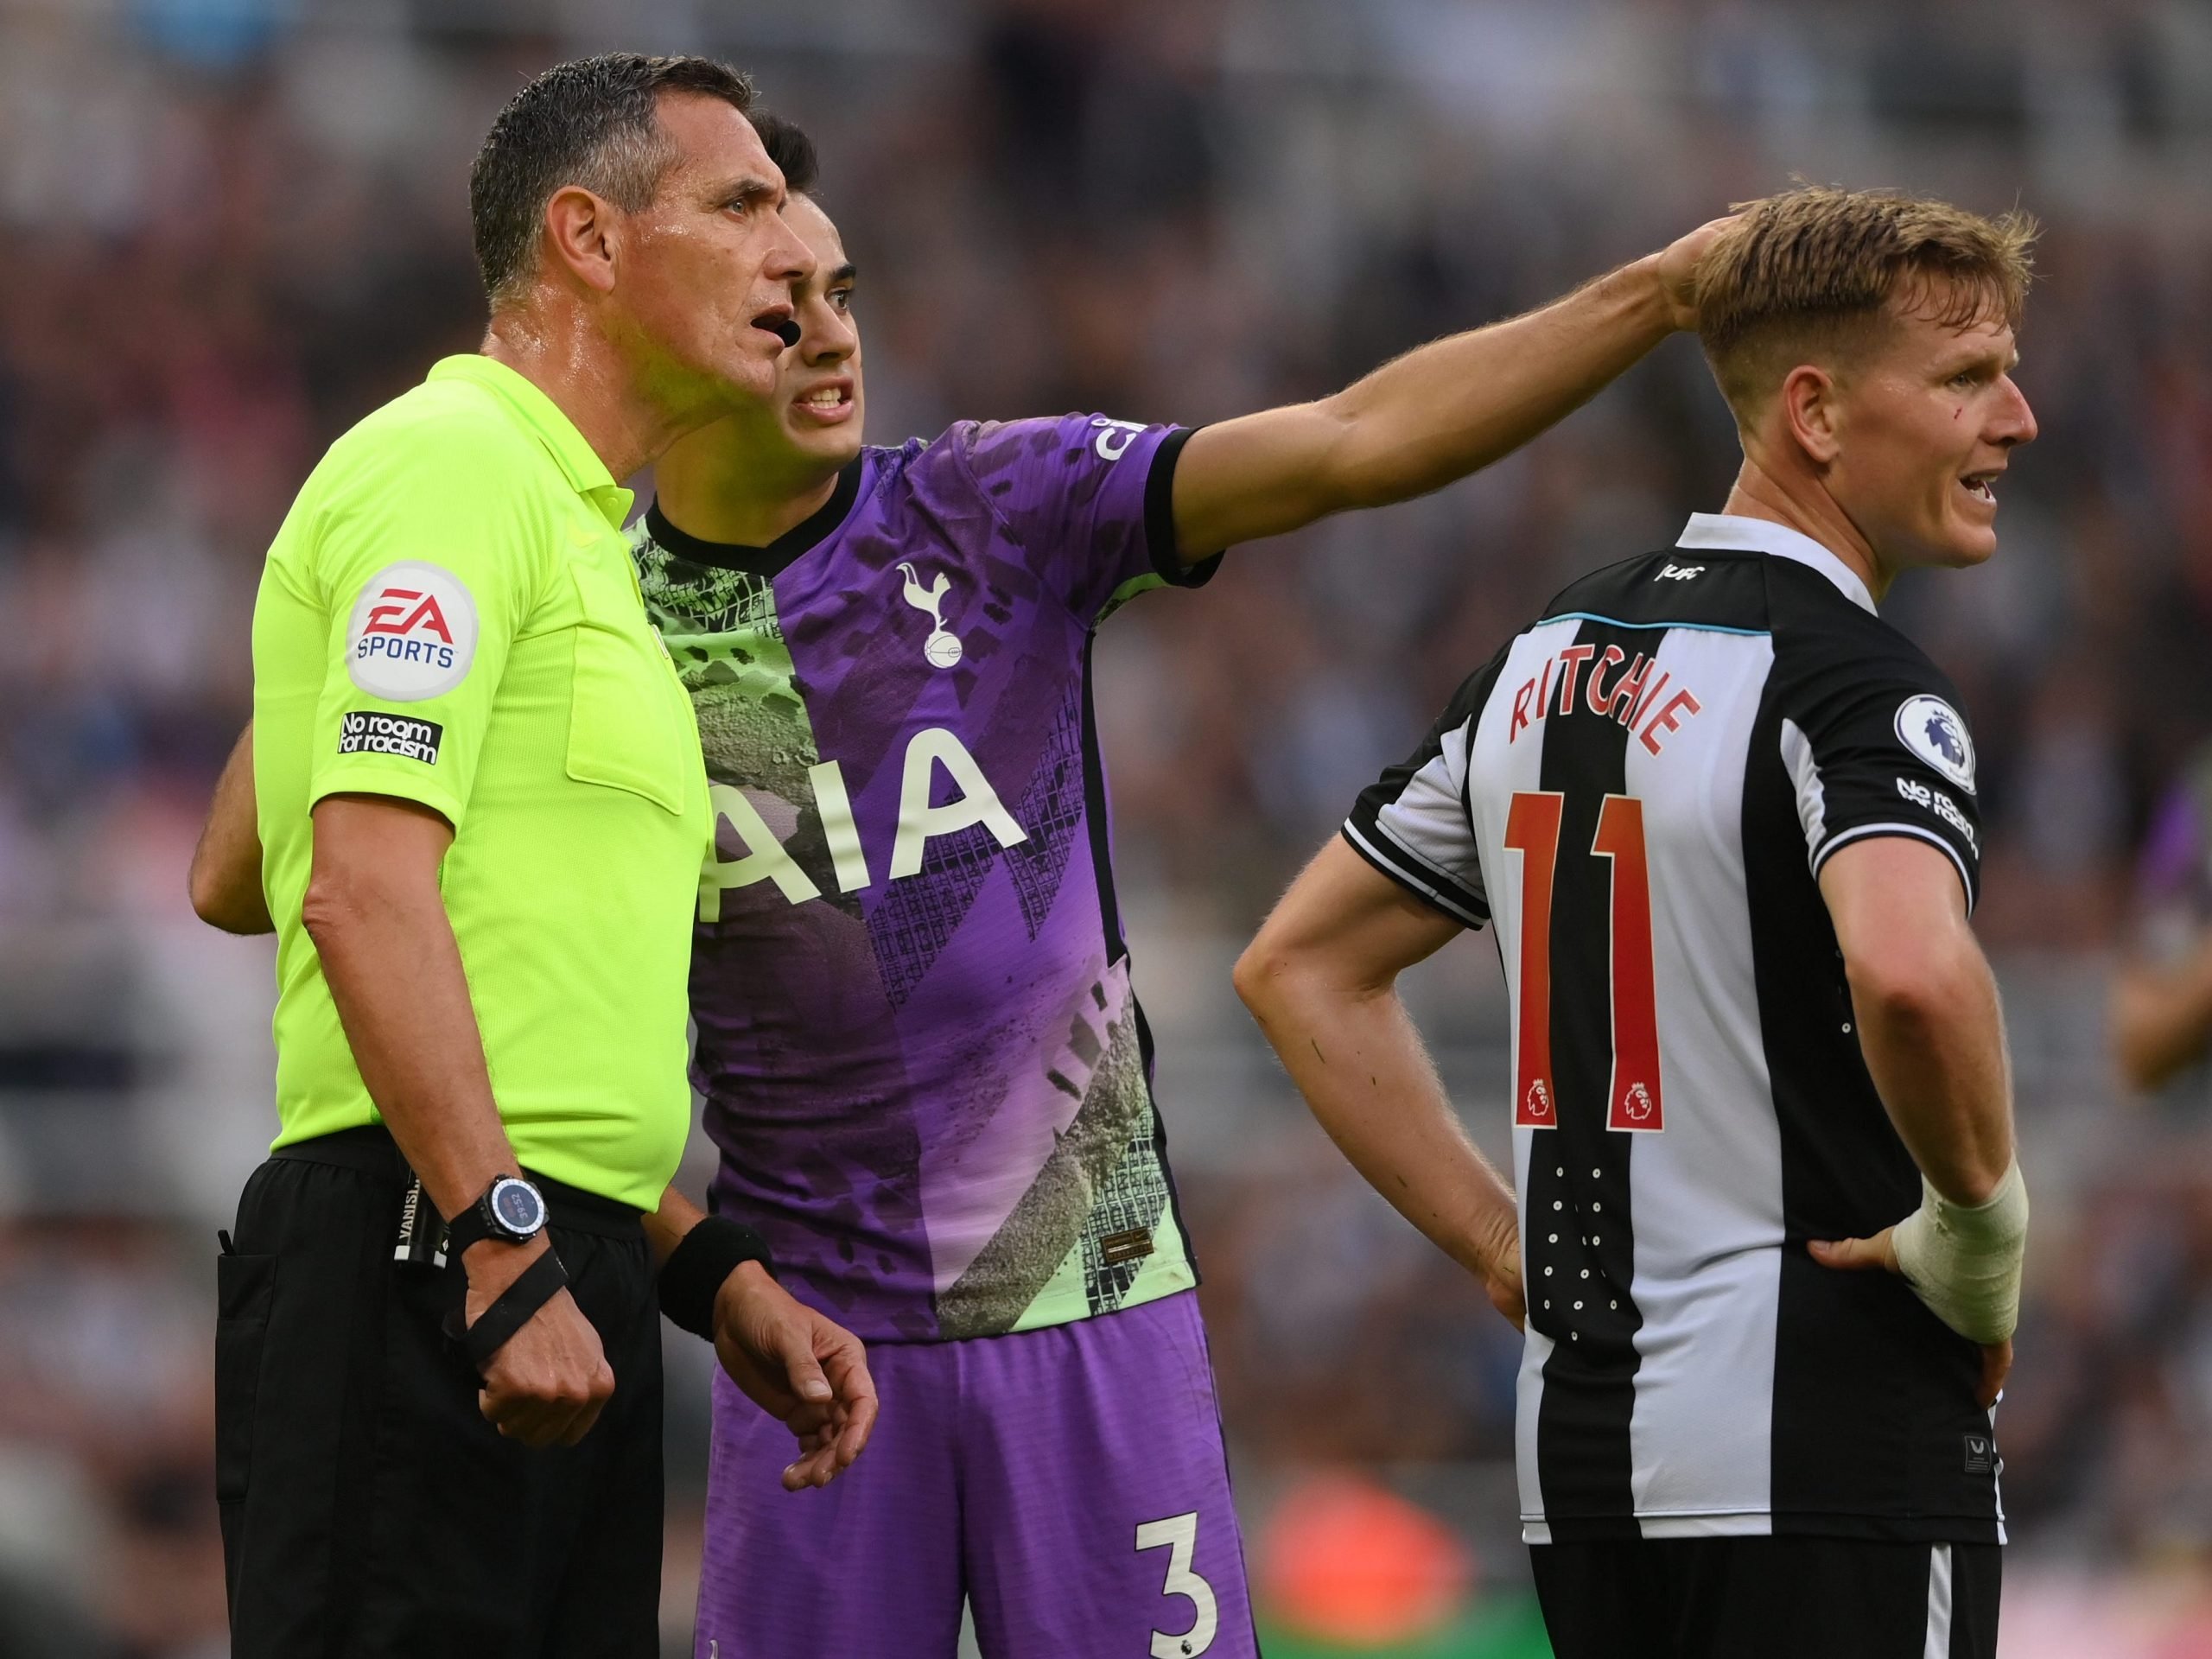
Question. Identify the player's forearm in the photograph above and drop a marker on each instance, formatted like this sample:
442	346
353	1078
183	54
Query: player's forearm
225	878
1417	423
2161	1021
389	955
1933	1035
1370	1083
1451	408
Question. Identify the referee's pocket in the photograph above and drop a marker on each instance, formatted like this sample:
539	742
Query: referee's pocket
630	725
245	1285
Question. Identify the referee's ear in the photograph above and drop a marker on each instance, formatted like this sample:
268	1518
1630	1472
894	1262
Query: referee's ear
581	236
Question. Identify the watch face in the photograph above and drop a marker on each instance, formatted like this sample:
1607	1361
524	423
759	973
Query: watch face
517	1205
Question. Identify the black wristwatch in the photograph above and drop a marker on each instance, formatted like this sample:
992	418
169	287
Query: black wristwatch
510	1209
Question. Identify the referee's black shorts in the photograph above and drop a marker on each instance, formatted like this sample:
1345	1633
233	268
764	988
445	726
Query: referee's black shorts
368	1509
1787	1597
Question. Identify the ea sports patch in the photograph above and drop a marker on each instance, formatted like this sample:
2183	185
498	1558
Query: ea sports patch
413	633
362	732
1931	728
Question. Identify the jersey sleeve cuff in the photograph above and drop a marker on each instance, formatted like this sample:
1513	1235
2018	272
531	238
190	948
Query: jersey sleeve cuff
380	780
1868	831
1415	875
1160	518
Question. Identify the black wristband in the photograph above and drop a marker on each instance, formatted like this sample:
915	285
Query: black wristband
535	1286
693	1274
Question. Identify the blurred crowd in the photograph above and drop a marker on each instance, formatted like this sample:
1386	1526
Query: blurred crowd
234	226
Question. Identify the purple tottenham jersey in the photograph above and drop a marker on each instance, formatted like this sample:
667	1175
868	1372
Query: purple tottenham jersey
921	1057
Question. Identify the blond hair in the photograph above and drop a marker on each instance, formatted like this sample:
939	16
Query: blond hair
1814	271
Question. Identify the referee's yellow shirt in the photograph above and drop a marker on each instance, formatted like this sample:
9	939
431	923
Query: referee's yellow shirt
450	615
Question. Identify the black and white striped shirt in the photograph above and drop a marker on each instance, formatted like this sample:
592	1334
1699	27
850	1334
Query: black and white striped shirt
1640	789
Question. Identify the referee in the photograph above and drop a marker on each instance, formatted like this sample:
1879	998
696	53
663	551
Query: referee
1724	819
483	811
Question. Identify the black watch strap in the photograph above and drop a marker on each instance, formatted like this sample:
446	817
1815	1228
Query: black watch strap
535	1286
473	1225
466	1228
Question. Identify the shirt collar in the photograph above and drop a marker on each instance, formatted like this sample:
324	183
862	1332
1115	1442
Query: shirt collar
1734	531
542	419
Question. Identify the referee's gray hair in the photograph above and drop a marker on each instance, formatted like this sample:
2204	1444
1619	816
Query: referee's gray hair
594	122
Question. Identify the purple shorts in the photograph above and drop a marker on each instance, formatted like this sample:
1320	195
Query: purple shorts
1069	1483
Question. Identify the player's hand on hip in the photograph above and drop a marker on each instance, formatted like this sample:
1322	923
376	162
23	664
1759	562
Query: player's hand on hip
1499	1266
546	1384
1880	1252
1676	269
1503	1288
805	1371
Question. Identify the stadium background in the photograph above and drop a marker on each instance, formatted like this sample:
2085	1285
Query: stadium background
229	227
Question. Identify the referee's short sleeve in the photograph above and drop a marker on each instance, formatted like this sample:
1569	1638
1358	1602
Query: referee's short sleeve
1412	823
431	548
1880	747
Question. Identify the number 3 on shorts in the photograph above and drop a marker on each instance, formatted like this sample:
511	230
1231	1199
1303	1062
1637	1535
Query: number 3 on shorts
1180	1533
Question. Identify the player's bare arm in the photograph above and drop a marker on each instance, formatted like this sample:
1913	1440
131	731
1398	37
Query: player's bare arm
1433	415
1321	979
378	922
1933	1035
225	878
2161	1017
804	1369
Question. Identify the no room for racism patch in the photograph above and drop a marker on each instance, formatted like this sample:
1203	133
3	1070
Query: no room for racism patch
362	733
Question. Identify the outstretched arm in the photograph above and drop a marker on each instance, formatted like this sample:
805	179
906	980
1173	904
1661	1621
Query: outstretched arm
1431	416
225	879
1321	979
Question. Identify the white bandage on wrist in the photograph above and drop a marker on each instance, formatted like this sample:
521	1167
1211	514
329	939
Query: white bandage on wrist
1964	1260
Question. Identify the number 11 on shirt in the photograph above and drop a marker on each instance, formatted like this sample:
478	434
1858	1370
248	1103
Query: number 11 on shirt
1532	828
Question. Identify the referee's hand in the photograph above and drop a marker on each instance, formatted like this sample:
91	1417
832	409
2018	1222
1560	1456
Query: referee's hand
805	1371
1879	1254
546	1384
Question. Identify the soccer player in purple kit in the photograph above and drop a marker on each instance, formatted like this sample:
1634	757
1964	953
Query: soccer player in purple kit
922	1059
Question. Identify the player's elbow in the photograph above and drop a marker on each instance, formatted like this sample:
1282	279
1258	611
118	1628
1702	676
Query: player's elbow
1261	975
1908	986
1278	976
219	909
207	896
228	900
339	898
328	907
1284	980
1357	465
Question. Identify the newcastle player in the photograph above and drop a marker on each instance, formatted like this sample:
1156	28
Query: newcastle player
1724	820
